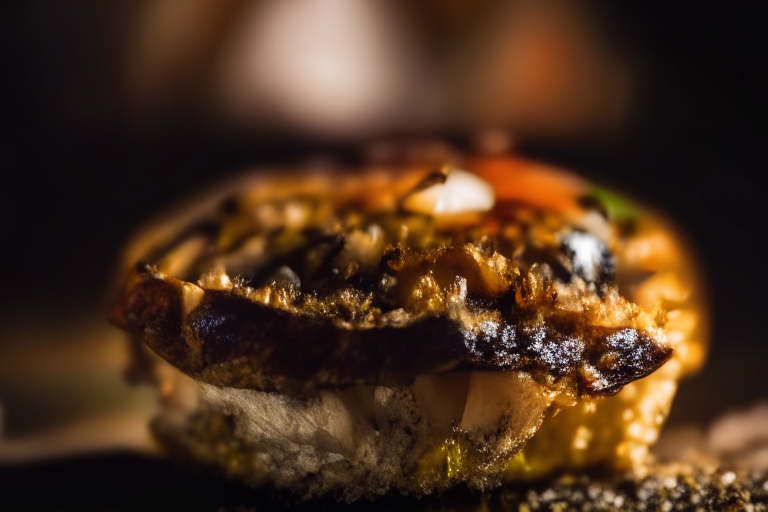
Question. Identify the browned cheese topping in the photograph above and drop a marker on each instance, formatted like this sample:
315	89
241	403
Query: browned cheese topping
328	280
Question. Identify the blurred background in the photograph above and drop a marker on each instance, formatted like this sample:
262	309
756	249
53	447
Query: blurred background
114	110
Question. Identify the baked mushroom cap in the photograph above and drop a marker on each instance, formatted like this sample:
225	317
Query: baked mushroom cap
488	297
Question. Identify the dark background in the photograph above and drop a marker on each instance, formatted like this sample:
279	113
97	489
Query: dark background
79	172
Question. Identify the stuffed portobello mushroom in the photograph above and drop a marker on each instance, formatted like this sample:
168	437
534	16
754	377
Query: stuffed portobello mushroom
408	328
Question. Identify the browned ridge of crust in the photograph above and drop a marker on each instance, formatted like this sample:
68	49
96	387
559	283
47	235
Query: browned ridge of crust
229	340
325	282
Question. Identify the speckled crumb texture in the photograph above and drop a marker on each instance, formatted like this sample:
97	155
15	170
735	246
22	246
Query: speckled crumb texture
666	491
666	488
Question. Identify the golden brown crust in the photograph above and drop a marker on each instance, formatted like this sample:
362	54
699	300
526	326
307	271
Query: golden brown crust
328	283
229	340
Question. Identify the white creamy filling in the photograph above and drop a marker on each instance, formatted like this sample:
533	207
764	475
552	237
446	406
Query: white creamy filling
462	192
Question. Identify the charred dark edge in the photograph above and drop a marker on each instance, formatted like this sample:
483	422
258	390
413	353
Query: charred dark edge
152	310
231	341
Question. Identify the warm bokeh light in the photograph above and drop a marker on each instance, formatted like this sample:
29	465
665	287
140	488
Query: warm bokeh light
349	70
338	67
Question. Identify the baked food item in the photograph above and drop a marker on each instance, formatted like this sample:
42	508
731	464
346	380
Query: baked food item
407	328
